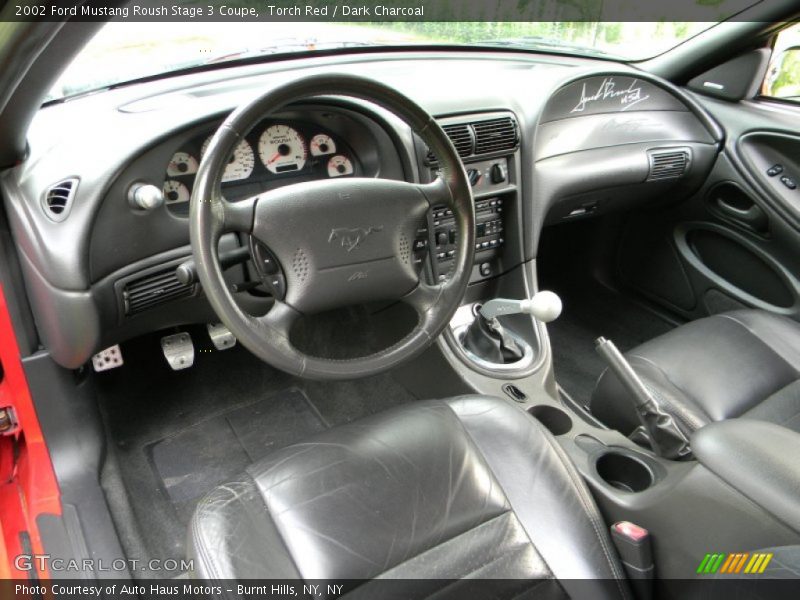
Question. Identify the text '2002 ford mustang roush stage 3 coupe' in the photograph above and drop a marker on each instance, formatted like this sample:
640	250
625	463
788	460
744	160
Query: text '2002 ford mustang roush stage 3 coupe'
400	309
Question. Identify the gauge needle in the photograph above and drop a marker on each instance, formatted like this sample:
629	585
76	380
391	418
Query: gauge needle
274	158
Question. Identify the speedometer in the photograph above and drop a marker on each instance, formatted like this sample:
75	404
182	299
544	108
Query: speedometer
241	162
282	149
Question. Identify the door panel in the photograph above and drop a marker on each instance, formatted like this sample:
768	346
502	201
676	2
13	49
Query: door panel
736	242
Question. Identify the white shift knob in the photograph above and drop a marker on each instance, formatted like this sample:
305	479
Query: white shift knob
545	306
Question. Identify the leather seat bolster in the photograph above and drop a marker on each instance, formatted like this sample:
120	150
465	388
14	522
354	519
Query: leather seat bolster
542	487
231	532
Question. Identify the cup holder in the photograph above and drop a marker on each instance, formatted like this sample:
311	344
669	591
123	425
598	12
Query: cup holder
554	419
624	472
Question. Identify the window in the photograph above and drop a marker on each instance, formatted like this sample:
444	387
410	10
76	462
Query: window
783	75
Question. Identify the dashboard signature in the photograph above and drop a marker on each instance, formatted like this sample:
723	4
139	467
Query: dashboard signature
629	96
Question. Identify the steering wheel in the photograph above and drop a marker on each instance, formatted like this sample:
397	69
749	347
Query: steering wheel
339	242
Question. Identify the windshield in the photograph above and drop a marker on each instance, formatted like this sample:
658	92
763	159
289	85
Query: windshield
125	51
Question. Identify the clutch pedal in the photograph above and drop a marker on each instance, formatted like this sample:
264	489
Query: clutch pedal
178	349
110	358
221	336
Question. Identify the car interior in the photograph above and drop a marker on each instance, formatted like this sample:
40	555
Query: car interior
413	315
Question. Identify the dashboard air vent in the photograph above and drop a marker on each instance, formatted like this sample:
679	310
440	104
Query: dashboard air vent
667	164
461	136
495	135
152	290
58	199
473	139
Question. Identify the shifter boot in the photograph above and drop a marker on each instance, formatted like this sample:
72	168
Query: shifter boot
491	342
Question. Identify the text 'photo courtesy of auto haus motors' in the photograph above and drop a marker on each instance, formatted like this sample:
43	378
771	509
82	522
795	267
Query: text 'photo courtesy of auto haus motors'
362	307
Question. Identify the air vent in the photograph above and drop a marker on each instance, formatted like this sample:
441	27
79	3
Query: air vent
58	199
478	138
495	135
668	164
152	290
461	136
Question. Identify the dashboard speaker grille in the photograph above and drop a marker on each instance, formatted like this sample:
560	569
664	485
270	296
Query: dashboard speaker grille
495	135
58	199
152	290
668	164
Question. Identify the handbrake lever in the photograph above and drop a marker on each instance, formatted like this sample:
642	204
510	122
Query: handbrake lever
666	438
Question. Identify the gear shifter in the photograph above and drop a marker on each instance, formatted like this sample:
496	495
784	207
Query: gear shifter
488	339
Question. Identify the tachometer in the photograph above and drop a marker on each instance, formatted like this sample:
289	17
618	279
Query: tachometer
175	192
182	163
339	165
282	149
321	145
241	162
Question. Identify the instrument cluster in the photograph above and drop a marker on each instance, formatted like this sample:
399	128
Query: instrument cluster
275	153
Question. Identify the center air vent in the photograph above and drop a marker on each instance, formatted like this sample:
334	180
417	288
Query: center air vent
668	164
152	290
58	199
495	135
478	138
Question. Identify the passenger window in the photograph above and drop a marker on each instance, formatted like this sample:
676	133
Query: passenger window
783	75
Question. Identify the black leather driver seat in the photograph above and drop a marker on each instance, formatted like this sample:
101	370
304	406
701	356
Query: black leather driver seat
739	364
427	493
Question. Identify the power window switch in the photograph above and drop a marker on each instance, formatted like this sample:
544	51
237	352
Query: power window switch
789	182
775	170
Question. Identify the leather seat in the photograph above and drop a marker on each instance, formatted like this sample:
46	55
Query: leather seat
429	493
738	364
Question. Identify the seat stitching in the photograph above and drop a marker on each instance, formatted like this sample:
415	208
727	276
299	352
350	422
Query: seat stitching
576	485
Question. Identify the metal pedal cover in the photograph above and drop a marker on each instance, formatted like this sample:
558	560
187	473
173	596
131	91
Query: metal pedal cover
221	336
178	349
110	358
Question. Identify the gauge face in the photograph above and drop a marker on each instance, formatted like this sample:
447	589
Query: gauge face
182	163
339	165
241	163
175	192
282	149
321	145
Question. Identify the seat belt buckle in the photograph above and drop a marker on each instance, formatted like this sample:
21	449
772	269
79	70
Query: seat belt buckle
634	546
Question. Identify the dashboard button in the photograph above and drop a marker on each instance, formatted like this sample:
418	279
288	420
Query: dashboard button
788	182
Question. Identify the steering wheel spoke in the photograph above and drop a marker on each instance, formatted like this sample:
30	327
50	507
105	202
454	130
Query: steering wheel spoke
279	321
238	216
437	192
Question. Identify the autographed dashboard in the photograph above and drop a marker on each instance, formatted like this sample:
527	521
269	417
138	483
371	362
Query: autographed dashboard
543	140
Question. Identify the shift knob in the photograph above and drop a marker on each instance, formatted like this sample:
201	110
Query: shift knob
545	306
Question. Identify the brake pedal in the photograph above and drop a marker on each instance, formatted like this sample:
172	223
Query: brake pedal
110	358
178	349
221	336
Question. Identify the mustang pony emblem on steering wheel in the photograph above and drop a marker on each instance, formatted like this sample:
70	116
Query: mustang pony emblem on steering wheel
351	238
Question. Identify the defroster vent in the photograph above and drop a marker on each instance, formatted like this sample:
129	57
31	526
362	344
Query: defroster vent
151	290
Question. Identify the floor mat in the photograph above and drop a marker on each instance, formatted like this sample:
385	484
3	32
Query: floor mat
174	435
194	461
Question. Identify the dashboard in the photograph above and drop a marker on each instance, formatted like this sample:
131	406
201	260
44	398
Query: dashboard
543	140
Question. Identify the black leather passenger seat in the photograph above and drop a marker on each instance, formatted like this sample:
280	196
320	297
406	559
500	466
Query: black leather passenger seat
738	364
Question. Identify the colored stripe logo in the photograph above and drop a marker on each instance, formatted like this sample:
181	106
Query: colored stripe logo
735	563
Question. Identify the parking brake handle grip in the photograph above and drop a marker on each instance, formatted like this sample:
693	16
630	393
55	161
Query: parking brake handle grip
666	438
